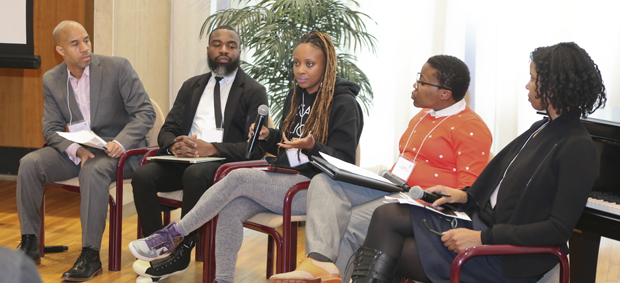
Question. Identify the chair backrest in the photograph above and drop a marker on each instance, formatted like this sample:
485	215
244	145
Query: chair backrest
151	136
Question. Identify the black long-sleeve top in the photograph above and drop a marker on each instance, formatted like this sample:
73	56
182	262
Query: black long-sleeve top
346	122
543	193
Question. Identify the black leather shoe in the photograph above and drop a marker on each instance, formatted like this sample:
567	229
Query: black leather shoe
30	247
87	266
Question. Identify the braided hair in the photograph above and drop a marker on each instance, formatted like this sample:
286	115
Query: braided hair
321	109
568	79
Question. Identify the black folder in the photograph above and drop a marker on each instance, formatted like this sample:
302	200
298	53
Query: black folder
352	178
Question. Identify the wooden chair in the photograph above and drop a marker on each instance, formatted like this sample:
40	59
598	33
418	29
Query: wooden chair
174	199
551	276
266	222
119	190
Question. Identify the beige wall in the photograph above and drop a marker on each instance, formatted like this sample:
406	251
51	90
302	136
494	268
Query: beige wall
138	30
21	90
188	51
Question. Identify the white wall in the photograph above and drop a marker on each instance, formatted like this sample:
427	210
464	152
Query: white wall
493	37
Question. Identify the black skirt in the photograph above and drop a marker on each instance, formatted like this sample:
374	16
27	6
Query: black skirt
437	259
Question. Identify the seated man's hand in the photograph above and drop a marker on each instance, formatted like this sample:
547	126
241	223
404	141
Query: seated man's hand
203	148
83	154
456	196
184	147
457	240
114	150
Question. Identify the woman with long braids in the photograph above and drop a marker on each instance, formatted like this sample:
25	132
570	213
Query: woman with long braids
532	193
321	115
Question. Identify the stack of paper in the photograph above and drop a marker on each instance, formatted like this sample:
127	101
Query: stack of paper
404	198
85	138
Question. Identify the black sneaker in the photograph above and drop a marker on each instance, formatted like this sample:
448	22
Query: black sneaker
30	247
175	263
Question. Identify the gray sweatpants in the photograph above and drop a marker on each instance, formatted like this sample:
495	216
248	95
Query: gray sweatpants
239	196
338	218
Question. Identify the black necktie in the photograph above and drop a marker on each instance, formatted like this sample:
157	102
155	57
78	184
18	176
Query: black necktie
217	103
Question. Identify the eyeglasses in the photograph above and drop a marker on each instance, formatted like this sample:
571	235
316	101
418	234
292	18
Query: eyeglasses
431	230
425	83
453	223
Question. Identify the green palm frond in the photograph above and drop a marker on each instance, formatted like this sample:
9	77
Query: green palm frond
272	28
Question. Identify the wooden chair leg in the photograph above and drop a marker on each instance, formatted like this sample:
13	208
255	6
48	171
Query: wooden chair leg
270	243
166	218
293	257
42	229
139	231
114	248
200	244
208	268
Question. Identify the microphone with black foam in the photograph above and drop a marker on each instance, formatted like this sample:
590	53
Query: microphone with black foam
263	111
395	180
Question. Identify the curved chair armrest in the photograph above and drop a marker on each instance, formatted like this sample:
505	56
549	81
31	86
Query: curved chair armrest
148	154
455	272
121	161
223	170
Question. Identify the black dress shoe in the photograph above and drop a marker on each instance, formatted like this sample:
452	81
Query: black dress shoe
30	247
87	266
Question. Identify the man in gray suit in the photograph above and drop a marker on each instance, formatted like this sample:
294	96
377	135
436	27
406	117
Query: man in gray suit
86	92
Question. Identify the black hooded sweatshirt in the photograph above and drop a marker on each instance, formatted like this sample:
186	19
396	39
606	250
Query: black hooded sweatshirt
346	122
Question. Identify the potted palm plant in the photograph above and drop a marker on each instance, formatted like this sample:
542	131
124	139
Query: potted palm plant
271	28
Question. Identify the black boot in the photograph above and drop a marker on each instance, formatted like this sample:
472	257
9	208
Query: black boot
87	266
30	247
373	266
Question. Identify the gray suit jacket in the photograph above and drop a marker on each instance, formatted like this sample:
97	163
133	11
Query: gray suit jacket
120	108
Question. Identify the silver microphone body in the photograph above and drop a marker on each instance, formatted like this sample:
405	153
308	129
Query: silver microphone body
263	111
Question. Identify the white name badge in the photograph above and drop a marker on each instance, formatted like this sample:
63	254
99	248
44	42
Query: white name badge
293	160
216	135
79	126
403	168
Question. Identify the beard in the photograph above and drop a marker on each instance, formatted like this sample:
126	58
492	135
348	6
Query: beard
223	70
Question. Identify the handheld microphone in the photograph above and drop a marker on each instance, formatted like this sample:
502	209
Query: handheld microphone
263	111
395	180
55	249
416	192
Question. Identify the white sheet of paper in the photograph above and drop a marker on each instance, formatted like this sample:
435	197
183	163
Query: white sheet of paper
342	165
86	138
293	160
404	198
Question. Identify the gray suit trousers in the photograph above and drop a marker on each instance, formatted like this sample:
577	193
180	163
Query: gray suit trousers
48	165
338	217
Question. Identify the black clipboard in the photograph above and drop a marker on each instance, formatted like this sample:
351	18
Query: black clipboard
352	178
